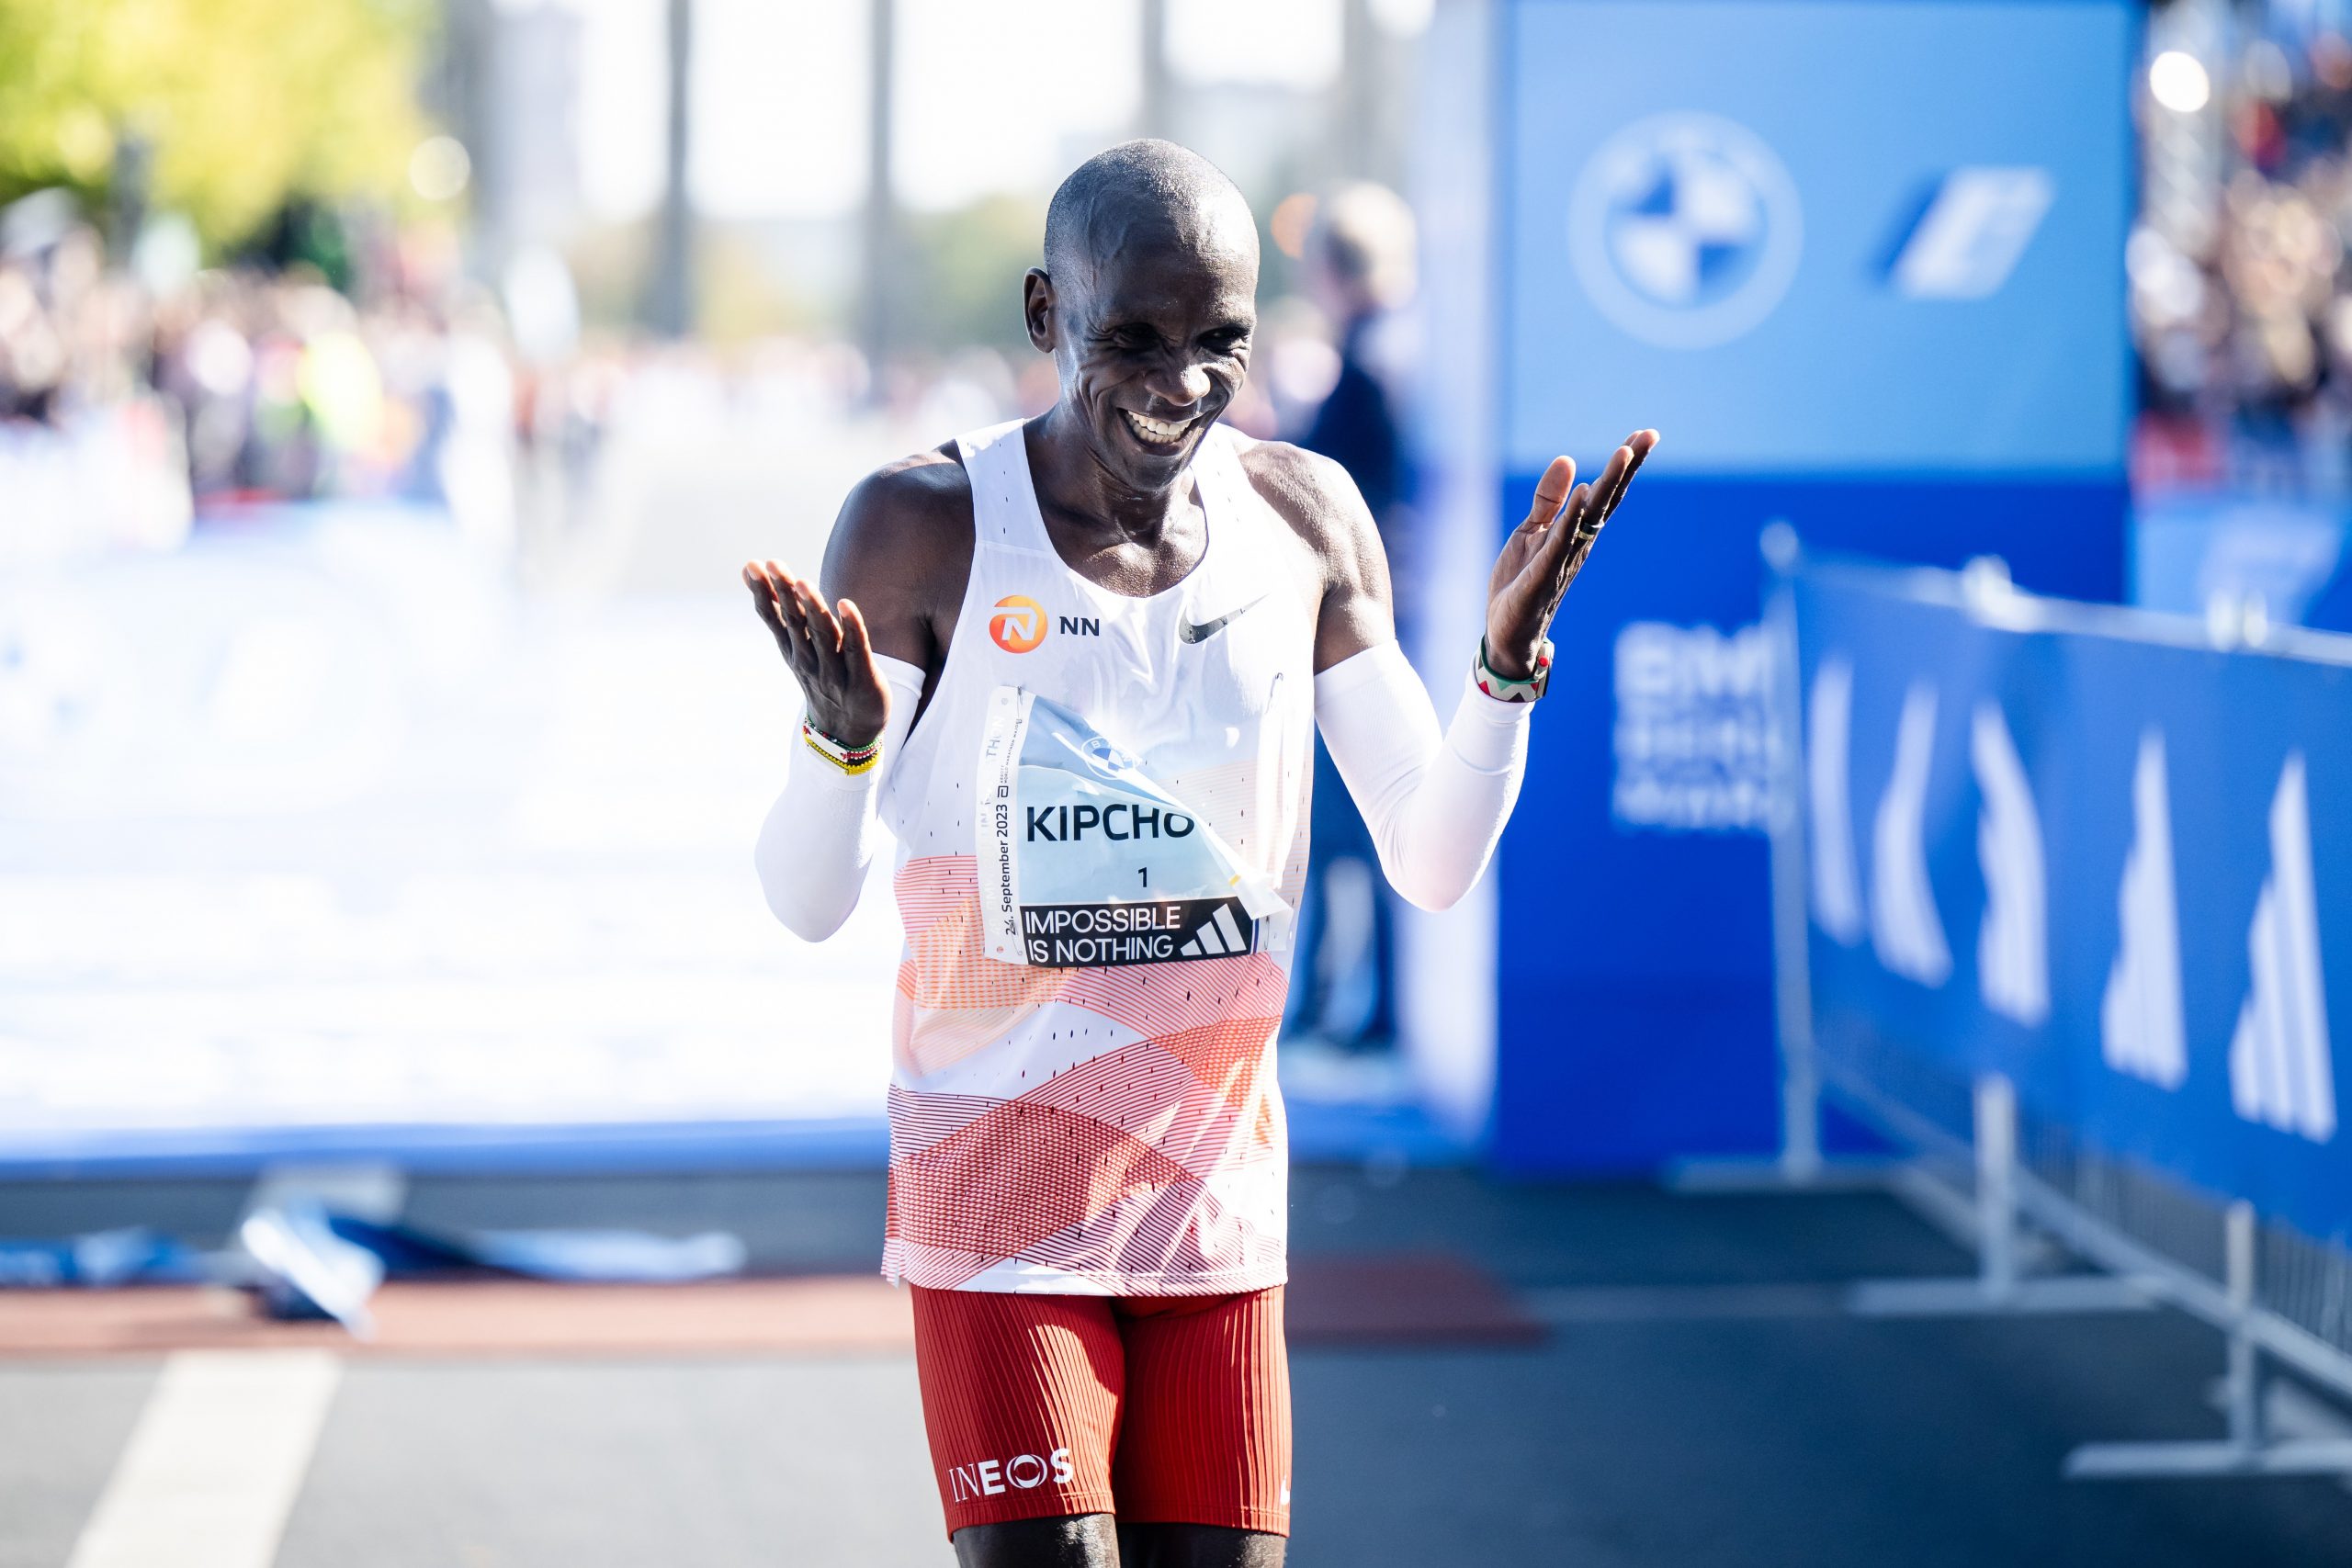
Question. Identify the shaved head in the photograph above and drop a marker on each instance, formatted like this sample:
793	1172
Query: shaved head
1147	302
1145	191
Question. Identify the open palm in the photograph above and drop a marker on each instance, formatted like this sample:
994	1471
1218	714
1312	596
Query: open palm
828	650
1544	553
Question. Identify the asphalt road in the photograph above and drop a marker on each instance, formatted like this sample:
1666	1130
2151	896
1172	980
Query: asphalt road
1701	1403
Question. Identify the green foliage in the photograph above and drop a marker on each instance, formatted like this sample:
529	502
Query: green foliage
964	270
244	103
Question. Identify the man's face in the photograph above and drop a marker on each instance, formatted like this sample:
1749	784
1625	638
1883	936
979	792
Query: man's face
1153	343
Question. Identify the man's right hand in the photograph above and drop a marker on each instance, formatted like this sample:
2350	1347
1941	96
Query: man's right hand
829	653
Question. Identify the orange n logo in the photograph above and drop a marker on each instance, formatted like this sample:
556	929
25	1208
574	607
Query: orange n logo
1019	624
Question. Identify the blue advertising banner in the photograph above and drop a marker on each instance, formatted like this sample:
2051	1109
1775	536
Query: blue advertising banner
1861	264
1825	237
2081	847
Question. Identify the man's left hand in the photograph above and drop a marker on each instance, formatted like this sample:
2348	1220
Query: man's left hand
1543	554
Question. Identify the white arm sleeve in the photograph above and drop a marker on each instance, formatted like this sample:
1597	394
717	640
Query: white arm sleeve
823	830
1435	805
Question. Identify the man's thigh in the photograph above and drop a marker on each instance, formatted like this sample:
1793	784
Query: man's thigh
1020	1402
1174	1413
1205	1437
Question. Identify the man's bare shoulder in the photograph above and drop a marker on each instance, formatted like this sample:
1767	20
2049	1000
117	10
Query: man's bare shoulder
912	500
1310	490
1318	499
903	525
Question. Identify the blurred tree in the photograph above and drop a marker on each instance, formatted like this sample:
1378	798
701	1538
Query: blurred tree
965	268
228	108
739	296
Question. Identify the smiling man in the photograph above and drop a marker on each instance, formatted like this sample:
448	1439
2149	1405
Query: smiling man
1074	665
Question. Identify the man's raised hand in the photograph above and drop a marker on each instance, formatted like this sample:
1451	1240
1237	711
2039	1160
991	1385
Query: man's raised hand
829	653
1543	554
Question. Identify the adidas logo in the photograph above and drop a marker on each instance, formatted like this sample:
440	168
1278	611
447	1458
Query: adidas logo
2142	1029
2280	1073
1905	928
1219	937
1829	718
2013	944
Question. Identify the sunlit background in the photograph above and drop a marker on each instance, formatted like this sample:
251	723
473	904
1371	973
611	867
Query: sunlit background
391	390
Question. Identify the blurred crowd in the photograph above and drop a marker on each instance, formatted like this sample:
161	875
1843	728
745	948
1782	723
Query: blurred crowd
140	398
138	395
2240	285
136	398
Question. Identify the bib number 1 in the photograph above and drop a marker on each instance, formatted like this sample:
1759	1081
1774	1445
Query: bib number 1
1066	815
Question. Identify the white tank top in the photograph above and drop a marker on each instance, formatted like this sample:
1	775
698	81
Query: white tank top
1102	825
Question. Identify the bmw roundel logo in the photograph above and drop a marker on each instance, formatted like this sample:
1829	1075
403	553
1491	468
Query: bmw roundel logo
1685	230
1108	758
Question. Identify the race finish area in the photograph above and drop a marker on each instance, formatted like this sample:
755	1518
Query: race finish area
337	846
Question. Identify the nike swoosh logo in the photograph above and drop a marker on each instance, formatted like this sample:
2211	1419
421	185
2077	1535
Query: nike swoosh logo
1189	631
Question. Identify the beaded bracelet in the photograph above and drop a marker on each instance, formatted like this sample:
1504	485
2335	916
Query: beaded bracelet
848	759
1503	688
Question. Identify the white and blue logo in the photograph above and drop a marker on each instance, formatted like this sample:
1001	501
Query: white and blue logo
1108	757
1685	230
1972	231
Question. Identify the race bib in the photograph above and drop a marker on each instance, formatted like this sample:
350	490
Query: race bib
1085	861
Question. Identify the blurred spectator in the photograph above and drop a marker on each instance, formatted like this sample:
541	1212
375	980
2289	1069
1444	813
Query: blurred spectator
133	404
2241	294
1359	271
89	452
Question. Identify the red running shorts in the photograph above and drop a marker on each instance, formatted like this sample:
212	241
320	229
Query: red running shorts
1158	1409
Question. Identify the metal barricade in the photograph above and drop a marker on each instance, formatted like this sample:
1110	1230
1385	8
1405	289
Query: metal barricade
2058	1225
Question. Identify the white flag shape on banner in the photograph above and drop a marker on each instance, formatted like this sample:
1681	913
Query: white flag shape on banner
2279	1071
1837	890
2013	947
1905	928
2141	1029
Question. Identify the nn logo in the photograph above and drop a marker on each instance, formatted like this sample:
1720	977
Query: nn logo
1022	1472
2280	1073
1018	624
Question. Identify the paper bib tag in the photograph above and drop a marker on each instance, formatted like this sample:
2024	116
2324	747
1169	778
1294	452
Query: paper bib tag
1086	861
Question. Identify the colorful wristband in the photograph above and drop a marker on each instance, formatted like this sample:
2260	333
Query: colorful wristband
1504	690
848	759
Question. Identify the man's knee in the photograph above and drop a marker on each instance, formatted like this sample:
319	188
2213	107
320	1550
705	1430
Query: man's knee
1067	1541
1198	1546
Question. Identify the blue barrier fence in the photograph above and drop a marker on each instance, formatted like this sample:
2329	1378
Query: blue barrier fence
2086	850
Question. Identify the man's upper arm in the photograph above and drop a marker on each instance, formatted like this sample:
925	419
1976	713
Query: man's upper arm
901	550
1316	497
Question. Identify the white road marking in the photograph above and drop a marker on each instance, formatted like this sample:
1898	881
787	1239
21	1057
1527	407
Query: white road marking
215	1460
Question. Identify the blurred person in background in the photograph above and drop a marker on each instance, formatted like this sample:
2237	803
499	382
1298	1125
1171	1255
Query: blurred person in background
2240	267
1075	664
1358	260
90	454
2239	274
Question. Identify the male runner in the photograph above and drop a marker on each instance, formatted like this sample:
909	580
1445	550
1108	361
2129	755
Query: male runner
1075	666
